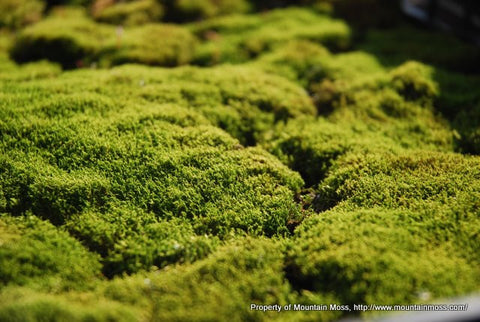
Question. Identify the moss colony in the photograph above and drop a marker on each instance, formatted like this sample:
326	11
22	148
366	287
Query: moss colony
181	160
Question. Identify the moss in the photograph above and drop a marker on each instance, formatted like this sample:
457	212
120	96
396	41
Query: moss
413	81
131	240
15	14
169	164
128	13
407	180
374	256
21	304
188	10
384	111
298	61
172	46
146	193
249	270
468	127
34	253
401	44
73	40
459	101
246	36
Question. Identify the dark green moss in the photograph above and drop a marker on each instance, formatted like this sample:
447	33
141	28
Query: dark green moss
395	46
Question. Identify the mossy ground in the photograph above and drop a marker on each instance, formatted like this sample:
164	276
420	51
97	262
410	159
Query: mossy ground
314	161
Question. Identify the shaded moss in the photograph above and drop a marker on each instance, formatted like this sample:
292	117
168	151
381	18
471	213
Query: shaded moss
73	40
68	38
34	253
395	46
188	10
127	13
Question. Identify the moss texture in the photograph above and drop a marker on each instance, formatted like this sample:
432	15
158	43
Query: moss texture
307	160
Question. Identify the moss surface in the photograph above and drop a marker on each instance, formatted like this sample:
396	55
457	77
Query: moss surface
318	162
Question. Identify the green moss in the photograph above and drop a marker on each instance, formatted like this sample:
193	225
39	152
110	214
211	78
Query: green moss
310	64
298	61
413	81
34	253
459	101
131	239
379	112
162	180
15	14
378	256
408	180
21	304
67	38
246	36
188	10
128	13
171	46
73	40
249	270
80	159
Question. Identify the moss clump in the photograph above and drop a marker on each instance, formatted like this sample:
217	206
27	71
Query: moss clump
243	101
15	14
188	10
130	13
130	239
73	40
140	155
34	253
408	216
299	61
404	181
249	270
379	256
385	111
22	304
171	46
245	37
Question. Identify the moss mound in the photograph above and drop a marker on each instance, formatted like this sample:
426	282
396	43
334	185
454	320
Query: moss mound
130	13
73	40
366	256
239	38
21	304
149	162
34	253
